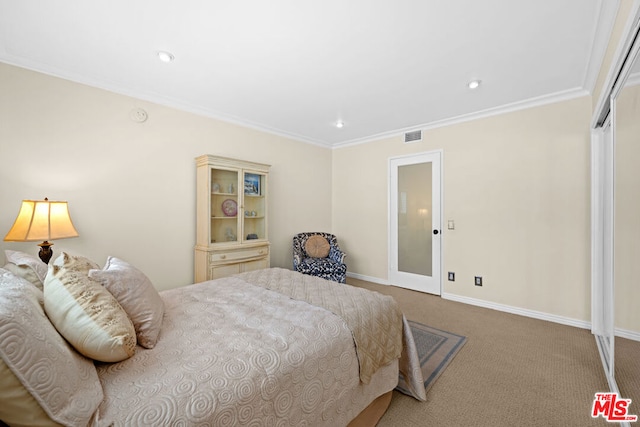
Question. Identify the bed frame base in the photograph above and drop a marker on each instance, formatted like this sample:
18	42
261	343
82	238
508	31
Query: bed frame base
370	416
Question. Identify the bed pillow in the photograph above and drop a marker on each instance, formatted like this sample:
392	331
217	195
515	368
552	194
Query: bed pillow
43	380
137	296
317	247
85	313
26	266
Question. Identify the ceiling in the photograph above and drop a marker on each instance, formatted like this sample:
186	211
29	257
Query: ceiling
296	67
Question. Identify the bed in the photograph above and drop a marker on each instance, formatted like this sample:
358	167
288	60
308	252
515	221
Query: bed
269	347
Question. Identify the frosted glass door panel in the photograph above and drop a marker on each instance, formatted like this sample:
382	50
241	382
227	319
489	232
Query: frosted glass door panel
415	219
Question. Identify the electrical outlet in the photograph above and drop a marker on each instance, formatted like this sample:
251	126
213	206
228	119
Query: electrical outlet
452	276
478	280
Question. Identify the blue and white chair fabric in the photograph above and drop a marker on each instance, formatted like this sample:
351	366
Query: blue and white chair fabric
331	267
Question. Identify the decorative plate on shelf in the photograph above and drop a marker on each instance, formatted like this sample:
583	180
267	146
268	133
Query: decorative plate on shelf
229	207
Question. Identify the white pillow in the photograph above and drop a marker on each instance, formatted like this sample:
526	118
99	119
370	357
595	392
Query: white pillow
137	296
85	313
38	362
26	266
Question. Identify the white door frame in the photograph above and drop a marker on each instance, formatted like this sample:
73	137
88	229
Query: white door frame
437	216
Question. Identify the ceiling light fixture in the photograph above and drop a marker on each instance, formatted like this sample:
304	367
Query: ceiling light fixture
339	124
165	56
474	84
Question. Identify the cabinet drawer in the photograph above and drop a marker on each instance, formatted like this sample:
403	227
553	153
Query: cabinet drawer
224	271
233	256
258	264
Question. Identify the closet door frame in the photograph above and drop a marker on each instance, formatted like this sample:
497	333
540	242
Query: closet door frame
602	244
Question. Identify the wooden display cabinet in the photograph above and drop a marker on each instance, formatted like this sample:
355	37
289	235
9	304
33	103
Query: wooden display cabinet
231	217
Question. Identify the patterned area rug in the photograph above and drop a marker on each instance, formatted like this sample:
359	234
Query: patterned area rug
436	348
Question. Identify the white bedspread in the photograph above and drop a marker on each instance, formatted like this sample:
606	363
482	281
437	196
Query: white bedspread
231	353
374	319
380	331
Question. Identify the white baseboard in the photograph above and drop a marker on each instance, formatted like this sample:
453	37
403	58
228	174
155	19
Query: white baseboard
519	311
583	324
625	333
368	278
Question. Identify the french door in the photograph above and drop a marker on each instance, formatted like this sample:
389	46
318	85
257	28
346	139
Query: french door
414	222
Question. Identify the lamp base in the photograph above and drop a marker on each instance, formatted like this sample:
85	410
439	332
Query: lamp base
45	251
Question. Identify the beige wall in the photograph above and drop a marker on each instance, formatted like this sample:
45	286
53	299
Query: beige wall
517	187
131	186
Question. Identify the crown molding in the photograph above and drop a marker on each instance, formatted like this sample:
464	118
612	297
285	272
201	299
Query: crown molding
186	107
489	112
155	99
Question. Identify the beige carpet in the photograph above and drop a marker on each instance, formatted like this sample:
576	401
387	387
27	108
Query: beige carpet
512	371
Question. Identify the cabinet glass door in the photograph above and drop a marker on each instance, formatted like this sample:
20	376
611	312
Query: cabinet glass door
224	206
255	207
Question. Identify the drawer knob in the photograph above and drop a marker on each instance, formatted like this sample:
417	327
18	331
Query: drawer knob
223	256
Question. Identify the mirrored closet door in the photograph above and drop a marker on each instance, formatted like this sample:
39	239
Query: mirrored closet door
616	223
626	227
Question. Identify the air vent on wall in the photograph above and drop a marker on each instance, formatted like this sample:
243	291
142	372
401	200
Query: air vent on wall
413	136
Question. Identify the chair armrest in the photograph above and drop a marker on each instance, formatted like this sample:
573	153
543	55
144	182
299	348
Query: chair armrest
336	255
297	260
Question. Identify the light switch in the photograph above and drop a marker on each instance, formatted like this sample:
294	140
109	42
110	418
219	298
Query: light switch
451	225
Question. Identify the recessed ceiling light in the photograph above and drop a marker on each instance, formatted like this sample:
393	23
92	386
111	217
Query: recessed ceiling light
165	56
339	124
473	84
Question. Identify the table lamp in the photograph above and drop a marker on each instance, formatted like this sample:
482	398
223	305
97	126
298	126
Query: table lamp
42	220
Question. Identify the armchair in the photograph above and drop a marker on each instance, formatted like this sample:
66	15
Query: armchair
318	254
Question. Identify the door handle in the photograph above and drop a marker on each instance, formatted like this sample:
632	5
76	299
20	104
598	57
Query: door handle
436	231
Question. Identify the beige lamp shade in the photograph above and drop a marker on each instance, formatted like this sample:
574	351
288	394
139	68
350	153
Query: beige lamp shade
41	220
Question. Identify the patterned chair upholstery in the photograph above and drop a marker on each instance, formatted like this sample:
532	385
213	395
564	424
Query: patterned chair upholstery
331	268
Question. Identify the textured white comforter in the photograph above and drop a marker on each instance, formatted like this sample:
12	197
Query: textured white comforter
374	319
231	353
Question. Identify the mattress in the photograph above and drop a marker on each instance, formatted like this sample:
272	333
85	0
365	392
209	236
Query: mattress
233	353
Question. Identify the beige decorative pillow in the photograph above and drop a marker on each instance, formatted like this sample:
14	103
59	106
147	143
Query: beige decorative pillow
43	380
85	313
137	296
24	272
317	247
26	266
